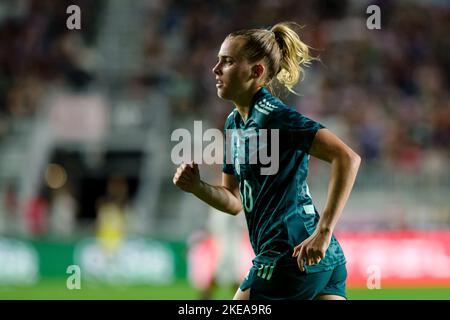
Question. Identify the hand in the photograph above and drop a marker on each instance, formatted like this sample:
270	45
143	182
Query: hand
312	249
187	177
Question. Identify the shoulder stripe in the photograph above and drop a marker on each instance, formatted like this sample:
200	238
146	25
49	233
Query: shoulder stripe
269	276
232	112
261	110
268	106
266	102
266	270
260	270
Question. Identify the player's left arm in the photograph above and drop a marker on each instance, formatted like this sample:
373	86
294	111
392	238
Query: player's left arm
344	167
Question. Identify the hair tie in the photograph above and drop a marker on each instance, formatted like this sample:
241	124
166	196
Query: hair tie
270	30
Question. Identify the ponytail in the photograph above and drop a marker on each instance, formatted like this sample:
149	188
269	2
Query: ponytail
294	55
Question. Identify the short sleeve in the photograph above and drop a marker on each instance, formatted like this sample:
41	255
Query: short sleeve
227	166
298	130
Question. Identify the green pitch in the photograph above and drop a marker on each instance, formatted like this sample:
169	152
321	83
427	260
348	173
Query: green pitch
56	289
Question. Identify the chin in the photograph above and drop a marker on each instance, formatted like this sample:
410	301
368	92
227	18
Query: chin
222	94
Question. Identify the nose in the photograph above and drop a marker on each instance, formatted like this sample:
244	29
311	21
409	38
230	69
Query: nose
216	68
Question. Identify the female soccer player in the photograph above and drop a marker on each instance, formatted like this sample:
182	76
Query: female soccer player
297	255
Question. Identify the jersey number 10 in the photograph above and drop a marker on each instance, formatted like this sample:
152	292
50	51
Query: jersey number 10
247	197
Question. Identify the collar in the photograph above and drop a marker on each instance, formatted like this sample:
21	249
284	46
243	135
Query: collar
258	95
262	92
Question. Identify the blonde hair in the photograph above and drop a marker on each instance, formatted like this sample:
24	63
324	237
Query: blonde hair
282	50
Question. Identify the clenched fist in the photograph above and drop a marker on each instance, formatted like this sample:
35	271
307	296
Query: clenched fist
187	177
312	249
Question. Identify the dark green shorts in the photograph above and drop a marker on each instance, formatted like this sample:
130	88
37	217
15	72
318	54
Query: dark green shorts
288	282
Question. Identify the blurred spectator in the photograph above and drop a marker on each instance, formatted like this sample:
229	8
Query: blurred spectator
228	232
9	208
63	212
37	214
111	215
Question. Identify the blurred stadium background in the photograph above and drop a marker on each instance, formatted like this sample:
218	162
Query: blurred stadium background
85	123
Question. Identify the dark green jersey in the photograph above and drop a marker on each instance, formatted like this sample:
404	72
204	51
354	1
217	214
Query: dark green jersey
278	207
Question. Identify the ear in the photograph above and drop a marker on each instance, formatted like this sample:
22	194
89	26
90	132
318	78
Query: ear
258	70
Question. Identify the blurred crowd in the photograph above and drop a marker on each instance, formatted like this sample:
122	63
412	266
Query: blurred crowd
388	87
386	92
37	51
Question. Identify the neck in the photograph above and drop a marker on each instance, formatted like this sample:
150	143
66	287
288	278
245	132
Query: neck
243	104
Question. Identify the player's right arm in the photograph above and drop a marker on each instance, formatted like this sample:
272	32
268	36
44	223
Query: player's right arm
225	198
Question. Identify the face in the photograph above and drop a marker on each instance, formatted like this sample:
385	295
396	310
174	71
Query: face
233	72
